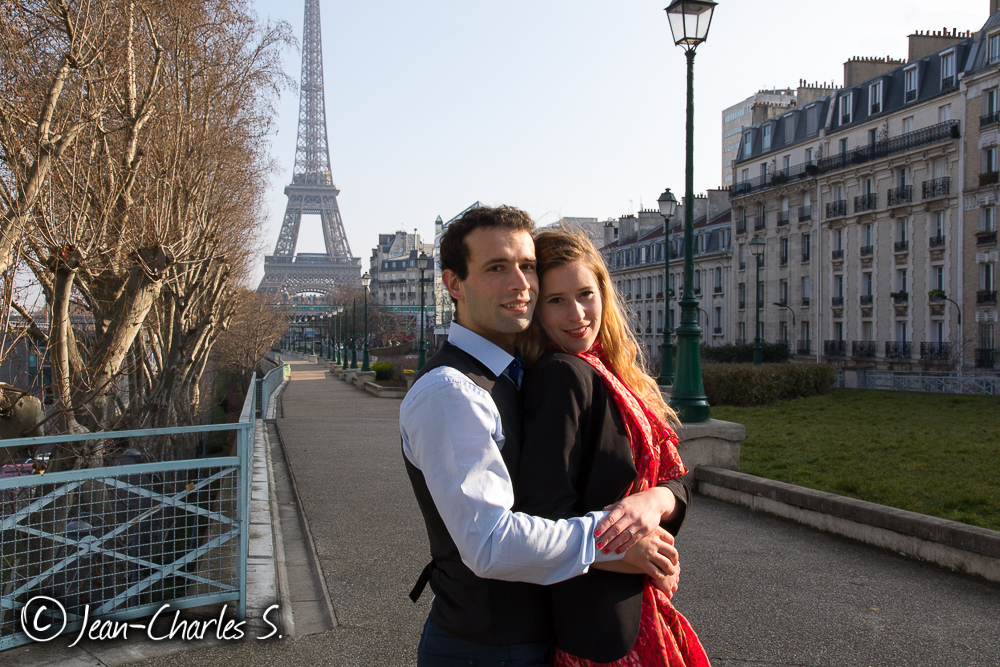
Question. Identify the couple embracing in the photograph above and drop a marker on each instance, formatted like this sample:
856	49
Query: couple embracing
543	461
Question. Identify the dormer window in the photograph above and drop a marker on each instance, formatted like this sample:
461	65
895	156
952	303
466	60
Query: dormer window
846	109
910	84
948	70
747	143
767	137
875	98
994	48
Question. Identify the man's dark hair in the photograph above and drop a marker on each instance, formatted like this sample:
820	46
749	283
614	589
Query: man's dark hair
454	249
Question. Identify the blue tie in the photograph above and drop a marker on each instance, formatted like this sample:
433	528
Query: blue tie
515	370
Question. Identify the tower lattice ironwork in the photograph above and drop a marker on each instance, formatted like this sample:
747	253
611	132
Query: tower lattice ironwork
312	191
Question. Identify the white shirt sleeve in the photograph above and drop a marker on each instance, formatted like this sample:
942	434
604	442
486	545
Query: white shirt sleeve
452	432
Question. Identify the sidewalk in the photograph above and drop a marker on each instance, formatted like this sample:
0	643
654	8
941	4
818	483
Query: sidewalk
759	590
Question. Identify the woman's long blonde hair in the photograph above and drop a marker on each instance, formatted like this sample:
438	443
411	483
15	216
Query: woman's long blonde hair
558	247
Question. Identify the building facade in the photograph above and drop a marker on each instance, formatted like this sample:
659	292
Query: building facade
396	283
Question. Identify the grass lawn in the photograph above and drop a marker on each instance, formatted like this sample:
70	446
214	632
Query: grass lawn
936	454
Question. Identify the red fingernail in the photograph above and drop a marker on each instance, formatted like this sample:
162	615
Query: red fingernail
599	545
607	551
618	551
597	533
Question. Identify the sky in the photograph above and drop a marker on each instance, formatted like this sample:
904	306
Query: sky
559	107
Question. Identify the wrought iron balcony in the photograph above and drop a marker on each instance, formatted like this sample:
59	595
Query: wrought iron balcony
717	331
783	259
866	202
935	351
838	254
904	142
659	295
989	118
743	266
901	195
717	289
864	349
782	218
805	302
836	209
805	213
835	348
649	329
649	295
896	349
760	222
939	187
937	241
837	302
911	95
659	330
805	347
742	305
805	257
985	357
741	226
866	299
867	250
900	297
936	296
986	296
901	246
989	178
947	81
986	238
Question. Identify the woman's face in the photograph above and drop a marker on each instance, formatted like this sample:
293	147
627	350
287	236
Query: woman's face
569	306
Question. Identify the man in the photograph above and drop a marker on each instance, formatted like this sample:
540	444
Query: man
461	437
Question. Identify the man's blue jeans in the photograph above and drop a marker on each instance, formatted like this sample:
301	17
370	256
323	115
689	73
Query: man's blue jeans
441	649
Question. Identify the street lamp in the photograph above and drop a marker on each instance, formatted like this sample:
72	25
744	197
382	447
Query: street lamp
422	263
354	334
757	250
668	206
689	23
366	280
329	335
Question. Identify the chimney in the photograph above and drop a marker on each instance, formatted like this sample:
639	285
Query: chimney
994	7
923	42
858	69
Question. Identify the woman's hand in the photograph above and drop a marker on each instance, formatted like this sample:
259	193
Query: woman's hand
655	555
633	518
669	584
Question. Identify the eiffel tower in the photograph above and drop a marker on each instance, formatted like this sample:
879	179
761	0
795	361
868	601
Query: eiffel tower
311	192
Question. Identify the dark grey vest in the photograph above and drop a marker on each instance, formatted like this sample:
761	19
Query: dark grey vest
487	611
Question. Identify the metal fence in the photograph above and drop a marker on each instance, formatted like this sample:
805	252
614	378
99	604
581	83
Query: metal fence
122	540
938	383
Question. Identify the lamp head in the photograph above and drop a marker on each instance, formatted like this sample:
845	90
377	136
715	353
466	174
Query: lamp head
668	204
757	246
690	20
423	262
366	280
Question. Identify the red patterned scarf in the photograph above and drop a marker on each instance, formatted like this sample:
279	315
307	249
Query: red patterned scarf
666	639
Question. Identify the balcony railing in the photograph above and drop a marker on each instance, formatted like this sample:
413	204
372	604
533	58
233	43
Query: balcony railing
838	254
947	81
717	331
911	95
783	260
986	296
866	299
805	347
741	226
866	202
782	218
989	178
985	358
835	348
986	238
805	302
935	351
836	209
742	305
989	118
743	266
760	222
900	297
805	213
805	257
901	195
937	241
867	250
939	187
864	349
717	289
837	301
896	349
901	246
649	330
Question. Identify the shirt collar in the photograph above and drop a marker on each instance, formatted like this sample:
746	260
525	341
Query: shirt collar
483	350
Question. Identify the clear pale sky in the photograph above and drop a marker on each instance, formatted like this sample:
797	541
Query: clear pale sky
559	107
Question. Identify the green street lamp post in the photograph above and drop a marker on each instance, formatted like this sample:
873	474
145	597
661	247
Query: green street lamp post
336	334
366	280
328	320
354	334
689	24
422	263
343	340
757	250
668	206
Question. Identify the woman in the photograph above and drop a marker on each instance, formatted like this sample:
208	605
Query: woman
596	430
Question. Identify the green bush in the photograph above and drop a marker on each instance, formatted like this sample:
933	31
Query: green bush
744	385
384	370
771	353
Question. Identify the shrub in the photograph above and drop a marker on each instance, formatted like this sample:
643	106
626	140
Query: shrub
384	370
772	353
743	385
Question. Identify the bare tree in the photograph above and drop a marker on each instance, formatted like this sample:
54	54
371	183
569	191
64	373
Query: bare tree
255	327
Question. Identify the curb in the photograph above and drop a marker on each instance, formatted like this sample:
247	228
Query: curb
956	546
280	571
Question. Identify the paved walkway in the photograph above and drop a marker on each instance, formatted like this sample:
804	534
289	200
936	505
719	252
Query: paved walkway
760	591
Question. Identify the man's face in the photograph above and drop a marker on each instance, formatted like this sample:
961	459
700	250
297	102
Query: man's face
498	296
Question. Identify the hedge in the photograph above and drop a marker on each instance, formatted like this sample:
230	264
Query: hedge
383	370
772	353
744	385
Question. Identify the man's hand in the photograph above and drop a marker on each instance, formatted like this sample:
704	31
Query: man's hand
669	584
633	518
655	555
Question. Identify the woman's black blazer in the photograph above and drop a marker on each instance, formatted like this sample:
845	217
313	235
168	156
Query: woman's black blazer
576	459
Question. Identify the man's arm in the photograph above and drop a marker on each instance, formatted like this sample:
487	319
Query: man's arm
451	431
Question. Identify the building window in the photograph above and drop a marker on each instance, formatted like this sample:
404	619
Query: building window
948	70
806	290
908	125
783	292
783	332
901	280
987	219
809	156
867	284
741	291
939	224
987	274
990	159
845	108
867	331
741	329
843	146
901	229
718	279
944	113
767	138
866	235
938	277
806	247
838	239
747	143
875	98
986	336
718	319
910	84
901	332
786	164
994	48
838	286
